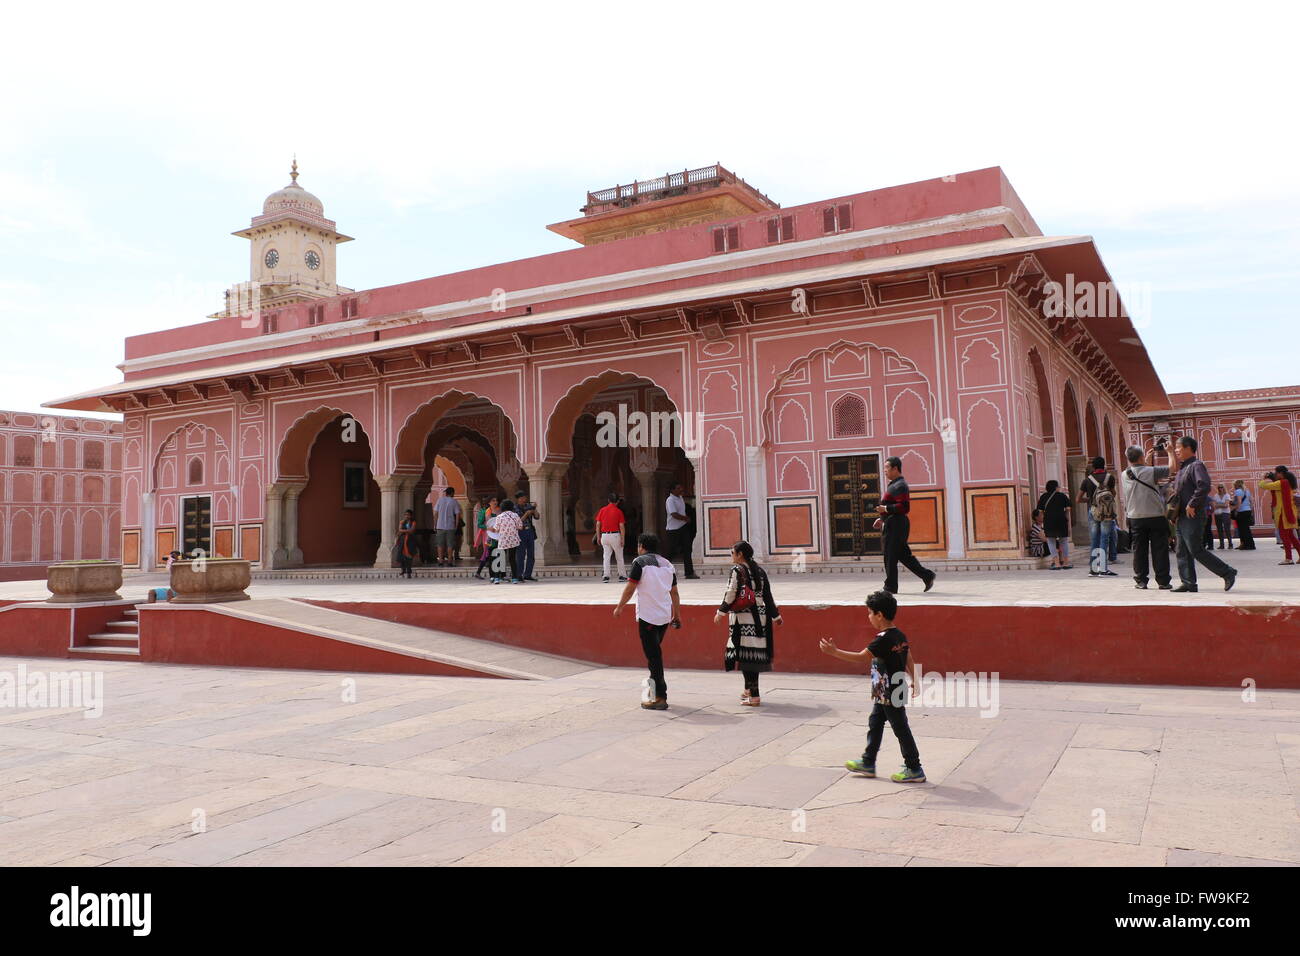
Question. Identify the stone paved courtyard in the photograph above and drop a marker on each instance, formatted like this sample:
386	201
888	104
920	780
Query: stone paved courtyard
280	769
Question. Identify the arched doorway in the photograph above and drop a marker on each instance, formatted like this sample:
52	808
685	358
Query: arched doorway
324	509
616	433
459	440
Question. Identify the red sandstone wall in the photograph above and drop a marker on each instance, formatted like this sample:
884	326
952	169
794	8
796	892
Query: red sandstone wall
1120	645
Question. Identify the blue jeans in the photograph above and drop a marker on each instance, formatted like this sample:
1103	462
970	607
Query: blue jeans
524	555
1101	535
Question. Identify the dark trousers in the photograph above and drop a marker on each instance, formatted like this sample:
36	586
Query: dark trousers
503	562
1223	524
406	566
1245	520
1150	547
652	636
896	529
897	717
1191	548
525	554
679	545
751	681
1209	533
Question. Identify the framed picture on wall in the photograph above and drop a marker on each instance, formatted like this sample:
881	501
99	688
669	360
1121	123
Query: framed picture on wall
355	485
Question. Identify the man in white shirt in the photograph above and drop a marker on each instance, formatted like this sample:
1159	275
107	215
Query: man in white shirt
654	582
679	532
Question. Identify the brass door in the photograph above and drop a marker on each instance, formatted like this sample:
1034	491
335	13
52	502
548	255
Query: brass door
196	526
854	484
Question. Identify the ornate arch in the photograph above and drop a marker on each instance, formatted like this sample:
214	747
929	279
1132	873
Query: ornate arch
295	448
833	350
408	454
559	427
222	447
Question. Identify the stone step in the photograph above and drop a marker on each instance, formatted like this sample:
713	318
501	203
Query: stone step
133	626
113	640
105	653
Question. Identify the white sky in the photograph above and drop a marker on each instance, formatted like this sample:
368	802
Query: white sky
135	138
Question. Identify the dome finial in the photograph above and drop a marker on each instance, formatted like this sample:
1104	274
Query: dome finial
293	172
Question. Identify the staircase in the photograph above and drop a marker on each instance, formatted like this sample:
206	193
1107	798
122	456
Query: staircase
120	642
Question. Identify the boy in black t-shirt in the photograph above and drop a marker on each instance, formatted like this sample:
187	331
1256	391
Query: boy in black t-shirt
888	654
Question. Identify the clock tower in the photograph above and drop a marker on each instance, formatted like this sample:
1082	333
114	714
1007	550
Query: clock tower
292	255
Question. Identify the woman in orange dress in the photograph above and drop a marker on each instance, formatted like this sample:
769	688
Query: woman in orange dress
1282	483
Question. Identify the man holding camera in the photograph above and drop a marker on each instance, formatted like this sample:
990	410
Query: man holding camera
526	556
1191	492
1144	504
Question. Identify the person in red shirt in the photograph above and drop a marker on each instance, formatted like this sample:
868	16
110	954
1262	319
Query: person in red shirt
610	526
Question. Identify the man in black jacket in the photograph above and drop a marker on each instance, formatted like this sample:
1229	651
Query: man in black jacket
1192	488
893	509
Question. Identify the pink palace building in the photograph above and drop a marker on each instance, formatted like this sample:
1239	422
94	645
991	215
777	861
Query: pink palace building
60	491
1241	434
795	347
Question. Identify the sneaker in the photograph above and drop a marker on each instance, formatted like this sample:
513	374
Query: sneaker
907	775
1107	574
1166	587
1140	586
659	703
621	578
858	767
605	580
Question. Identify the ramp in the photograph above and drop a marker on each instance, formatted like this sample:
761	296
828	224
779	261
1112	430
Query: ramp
282	632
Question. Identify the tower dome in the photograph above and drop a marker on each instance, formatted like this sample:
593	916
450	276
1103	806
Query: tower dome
293	198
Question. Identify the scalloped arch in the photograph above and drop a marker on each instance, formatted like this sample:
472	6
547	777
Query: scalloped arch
559	427
832	350
295	449
420	424
157	455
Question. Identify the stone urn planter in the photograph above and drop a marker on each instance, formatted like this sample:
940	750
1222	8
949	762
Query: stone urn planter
80	582
220	580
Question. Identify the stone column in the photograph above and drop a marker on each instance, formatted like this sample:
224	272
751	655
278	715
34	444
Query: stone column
390	508
1051	466
273	553
148	532
508	474
1076	469
645	480
293	553
544	480
695	456
953	502
756	496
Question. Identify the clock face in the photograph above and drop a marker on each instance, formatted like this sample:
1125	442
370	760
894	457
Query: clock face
272	259
313	260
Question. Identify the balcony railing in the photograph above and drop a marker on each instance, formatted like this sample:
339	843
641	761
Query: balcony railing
646	189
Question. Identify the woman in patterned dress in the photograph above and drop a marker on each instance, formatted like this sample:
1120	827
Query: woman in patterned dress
749	642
